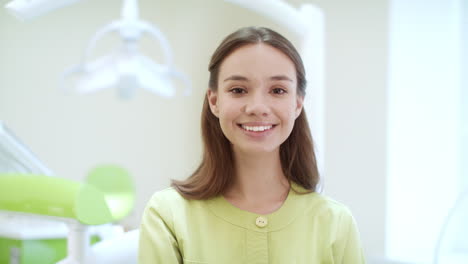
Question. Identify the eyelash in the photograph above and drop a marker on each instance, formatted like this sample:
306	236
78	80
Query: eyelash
279	91
238	90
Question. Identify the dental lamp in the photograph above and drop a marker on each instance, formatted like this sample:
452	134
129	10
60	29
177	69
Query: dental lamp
126	68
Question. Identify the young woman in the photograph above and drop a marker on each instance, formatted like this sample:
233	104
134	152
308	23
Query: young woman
253	198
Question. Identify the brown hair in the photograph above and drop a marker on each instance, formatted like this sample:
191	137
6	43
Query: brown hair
216	171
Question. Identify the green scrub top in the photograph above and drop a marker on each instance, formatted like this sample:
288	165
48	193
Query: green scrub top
306	229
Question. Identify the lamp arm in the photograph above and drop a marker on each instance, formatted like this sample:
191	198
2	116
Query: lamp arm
112	27
157	35
130	10
140	26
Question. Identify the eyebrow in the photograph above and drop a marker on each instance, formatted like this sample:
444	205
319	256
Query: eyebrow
273	78
236	78
280	78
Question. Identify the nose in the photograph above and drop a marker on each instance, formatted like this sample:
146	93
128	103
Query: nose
257	104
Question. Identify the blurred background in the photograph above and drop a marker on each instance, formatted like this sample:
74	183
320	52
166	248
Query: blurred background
395	107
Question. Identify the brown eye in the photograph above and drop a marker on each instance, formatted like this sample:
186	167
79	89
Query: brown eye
237	90
278	91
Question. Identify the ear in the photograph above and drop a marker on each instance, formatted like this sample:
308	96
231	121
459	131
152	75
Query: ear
299	105
213	101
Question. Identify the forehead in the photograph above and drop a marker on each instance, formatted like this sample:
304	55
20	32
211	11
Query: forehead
257	61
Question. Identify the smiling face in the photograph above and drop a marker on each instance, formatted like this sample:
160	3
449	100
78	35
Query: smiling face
256	99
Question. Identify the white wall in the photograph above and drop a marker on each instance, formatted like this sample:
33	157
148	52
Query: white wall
425	120
464	83
356	82
158	139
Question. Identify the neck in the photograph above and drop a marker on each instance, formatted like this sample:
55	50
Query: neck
259	177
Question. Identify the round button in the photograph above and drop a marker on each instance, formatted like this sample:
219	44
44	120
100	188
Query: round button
261	221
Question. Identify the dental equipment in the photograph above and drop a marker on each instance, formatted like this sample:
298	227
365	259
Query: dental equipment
80	205
16	157
126	68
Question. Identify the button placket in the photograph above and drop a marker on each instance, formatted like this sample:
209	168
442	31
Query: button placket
257	247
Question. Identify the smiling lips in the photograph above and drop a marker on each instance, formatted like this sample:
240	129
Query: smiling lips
256	128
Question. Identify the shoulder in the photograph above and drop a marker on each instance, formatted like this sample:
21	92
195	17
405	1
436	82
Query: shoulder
333	218
161	206
166	194
170	201
166	198
327	208
337	223
317	203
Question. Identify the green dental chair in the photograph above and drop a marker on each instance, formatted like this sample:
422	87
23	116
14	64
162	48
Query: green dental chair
107	196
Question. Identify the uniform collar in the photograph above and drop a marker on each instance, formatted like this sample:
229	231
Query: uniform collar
293	206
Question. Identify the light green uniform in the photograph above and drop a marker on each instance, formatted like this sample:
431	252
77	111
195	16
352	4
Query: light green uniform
307	229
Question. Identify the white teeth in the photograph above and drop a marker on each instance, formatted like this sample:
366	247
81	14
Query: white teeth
256	128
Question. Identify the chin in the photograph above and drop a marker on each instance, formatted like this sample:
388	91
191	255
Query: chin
257	149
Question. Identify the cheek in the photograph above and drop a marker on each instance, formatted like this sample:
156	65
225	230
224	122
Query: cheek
227	117
288	111
228	109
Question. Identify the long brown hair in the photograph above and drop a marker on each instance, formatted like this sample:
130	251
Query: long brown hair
216	171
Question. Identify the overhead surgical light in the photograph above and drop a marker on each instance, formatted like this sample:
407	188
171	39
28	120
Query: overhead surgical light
126	68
